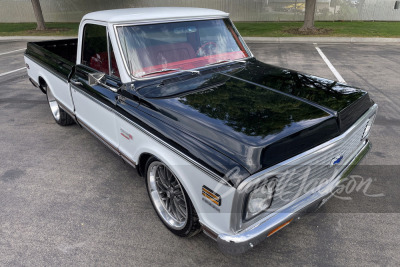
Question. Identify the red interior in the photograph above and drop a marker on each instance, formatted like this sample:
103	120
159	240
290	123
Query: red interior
192	63
166	56
100	62
168	52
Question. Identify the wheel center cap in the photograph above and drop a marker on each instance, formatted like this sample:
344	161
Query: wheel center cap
170	192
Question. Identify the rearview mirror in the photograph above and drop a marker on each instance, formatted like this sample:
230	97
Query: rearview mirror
183	30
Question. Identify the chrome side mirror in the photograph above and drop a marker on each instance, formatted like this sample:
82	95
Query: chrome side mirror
97	78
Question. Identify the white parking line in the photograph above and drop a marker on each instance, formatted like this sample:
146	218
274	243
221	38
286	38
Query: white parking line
9	52
9	72
331	67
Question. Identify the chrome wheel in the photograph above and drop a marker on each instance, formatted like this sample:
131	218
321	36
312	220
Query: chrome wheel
55	109
167	195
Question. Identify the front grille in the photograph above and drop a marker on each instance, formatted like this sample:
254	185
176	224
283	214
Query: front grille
306	174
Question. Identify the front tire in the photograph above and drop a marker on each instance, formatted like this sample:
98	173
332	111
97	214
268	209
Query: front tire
170	200
60	116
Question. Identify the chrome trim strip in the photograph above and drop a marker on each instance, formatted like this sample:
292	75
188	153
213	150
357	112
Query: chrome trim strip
91	97
173	149
245	240
176	151
169	20
104	141
110	146
127	159
242	40
69	112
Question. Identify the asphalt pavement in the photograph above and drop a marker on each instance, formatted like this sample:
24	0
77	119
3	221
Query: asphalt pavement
67	200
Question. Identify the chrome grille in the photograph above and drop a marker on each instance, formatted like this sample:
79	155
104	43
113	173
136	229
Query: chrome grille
305	174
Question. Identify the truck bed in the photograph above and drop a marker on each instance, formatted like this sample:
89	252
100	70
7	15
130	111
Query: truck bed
64	48
58	56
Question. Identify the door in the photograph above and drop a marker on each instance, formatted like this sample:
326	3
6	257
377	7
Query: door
94	85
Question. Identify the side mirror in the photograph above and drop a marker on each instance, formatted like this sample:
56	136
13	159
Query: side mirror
97	78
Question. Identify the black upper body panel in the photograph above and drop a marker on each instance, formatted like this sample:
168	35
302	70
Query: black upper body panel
256	114
246	115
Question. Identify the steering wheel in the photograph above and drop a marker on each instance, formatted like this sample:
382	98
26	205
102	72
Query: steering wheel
207	49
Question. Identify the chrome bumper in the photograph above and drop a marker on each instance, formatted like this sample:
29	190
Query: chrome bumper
247	239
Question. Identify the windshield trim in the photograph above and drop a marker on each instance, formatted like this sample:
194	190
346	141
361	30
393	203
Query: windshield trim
134	78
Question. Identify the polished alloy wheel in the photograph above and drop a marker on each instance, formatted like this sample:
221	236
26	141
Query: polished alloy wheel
55	109
167	195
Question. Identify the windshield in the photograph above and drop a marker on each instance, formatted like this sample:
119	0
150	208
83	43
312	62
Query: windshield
157	49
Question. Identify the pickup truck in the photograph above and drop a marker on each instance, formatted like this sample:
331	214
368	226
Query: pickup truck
227	145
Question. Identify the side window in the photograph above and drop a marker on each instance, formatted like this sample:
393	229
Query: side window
94	50
113	66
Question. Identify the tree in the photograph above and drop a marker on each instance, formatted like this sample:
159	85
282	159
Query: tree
309	16
39	15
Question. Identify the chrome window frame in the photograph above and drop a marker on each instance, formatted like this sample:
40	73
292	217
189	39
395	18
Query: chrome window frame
95	23
172	21
238	205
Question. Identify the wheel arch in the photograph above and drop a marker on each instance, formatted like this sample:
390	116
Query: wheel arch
42	84
171	162
191	176
141	164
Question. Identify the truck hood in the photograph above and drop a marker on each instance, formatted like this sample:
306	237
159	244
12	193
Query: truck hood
256	114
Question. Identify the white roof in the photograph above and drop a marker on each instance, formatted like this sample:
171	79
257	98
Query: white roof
152	14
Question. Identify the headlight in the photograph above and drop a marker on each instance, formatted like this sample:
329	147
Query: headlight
260	199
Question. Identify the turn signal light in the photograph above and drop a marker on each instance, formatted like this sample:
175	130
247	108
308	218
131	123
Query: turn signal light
279	227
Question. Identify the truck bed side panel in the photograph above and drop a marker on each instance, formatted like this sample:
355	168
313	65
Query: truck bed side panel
52	68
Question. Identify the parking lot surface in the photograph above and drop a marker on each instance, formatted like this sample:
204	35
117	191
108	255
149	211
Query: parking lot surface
66	199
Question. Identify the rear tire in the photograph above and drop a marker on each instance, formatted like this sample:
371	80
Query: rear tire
170	200
60	116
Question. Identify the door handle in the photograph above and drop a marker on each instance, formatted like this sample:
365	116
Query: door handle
75	82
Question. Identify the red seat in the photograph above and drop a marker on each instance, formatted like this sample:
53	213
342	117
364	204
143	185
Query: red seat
100	62
166	53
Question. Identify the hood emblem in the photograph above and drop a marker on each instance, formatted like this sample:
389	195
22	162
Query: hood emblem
126	134
336	161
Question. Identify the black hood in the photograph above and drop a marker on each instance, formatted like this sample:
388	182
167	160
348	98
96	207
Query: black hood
346	102
256	114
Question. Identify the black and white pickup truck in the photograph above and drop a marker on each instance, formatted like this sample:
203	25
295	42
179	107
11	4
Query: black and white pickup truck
227	144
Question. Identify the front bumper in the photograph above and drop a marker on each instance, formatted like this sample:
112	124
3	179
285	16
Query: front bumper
247	239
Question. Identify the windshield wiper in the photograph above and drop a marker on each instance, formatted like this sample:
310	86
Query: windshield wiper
226	60
168	70
159	71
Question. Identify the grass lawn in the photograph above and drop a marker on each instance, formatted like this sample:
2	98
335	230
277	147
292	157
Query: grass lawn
261	29
340	29
28	29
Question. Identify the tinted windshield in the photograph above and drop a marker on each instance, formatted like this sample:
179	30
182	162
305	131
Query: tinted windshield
157	49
